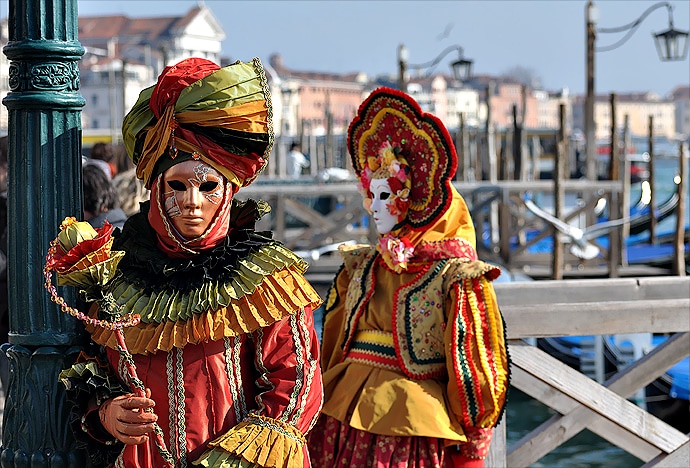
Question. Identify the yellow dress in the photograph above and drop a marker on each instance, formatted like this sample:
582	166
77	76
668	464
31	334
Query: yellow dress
370	381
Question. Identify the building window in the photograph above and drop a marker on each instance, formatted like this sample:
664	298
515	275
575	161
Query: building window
94	99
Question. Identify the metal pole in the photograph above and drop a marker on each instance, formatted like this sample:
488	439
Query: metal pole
44	168
590	130
678	267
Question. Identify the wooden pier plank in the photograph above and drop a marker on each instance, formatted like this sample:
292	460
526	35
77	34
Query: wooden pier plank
306	214
595	318
593	290
559	429
556	431
679	458
597	398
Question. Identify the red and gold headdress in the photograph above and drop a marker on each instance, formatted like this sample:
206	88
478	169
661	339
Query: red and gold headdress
391	118
222	116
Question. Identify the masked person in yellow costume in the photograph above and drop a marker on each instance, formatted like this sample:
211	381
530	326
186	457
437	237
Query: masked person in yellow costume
414	355
223	342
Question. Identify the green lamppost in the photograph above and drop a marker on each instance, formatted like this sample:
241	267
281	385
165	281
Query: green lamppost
44	186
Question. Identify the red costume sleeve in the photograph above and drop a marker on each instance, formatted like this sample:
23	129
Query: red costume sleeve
289	400
478	364
287	355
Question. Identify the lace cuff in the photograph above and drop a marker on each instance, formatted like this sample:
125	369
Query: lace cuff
257	441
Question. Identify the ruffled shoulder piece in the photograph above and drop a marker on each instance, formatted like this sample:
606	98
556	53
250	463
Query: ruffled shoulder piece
354	256
447	248
460	270
267	289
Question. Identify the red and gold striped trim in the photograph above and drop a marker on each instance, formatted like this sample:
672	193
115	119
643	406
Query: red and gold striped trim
373	348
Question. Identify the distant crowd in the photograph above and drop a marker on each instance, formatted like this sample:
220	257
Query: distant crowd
111	188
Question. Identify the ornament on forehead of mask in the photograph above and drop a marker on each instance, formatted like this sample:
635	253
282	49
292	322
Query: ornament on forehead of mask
201	172
173	148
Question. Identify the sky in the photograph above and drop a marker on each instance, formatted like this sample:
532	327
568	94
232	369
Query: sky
545	37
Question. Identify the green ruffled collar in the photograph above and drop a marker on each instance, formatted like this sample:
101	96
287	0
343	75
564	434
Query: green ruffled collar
159	288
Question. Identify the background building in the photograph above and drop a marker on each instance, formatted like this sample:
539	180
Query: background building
125	55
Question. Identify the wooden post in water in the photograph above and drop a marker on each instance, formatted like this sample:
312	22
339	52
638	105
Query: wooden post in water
491	148
518	137
458	149
314	160
536	157
308	142
652	184
613	156
558	194
679	241
476	156
625	202
489	135
505	164
330	146
504	226
465	148
614	173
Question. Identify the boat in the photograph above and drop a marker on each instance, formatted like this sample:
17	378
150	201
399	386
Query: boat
642	220
668	397
638	164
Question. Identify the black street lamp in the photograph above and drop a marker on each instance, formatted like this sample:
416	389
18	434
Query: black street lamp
671	45
462	67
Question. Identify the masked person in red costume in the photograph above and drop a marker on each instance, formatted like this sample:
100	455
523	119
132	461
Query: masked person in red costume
225	347
414	355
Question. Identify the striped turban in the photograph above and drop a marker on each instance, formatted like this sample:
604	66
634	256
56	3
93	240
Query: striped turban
222	116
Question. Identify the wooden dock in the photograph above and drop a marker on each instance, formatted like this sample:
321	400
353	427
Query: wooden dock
594	307
308	215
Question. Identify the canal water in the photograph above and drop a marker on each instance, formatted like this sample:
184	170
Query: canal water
585	450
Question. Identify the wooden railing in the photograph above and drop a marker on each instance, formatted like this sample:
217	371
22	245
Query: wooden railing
594	307
295	199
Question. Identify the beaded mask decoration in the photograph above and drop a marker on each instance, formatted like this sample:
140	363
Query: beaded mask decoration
389	165
390	126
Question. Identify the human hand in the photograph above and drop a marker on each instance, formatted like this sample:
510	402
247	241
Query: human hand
125	419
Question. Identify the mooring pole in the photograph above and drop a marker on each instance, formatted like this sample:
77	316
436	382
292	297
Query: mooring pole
44	169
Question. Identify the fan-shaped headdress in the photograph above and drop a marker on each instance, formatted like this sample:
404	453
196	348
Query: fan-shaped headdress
390	117
222	116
